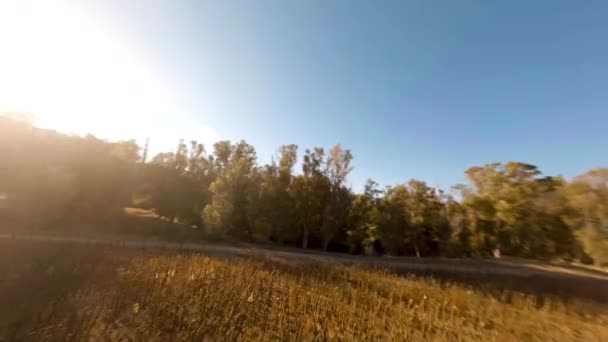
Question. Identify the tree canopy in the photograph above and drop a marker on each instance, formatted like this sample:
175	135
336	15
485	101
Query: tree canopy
47	178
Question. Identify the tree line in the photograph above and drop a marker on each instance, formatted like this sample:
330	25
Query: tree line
49	178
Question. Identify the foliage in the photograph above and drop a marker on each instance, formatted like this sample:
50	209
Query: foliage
509	208
588	196
51	177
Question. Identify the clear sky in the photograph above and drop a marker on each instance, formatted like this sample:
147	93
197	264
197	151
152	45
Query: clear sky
416	89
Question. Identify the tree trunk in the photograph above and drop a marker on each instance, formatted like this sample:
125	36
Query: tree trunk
326	227
326	244
305	238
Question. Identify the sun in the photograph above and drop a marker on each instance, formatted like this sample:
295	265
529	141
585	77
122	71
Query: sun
58	64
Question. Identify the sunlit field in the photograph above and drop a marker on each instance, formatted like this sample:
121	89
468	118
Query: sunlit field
303	171
57	292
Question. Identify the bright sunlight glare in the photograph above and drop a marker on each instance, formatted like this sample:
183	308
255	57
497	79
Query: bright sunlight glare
57	64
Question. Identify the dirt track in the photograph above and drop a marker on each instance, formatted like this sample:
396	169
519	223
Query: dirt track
540	279
484	266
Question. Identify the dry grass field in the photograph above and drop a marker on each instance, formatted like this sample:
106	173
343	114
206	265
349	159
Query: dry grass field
63	292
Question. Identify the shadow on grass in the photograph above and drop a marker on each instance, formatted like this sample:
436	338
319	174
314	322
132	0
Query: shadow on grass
542	285
500	279
496	277
130	223
36	280
141	223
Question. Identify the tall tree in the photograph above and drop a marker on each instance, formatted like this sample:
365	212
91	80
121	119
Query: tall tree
425	215
228	212
364	218
510	207
276	216
310	193
51	178
394	219
588	195
335	211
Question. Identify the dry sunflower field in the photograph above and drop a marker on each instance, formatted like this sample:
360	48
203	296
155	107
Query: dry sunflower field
67	292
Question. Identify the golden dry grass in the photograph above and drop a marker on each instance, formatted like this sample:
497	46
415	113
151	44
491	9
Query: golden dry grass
69	292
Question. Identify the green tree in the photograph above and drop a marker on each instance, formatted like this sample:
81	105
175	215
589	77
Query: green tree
588	195
393	221
364	218
235	169
276	215
335	212
515	209
310	193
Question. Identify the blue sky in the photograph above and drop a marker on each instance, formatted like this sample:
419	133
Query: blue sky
416	89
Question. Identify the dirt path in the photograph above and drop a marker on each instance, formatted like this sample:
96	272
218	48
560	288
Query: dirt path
485	266
525	276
